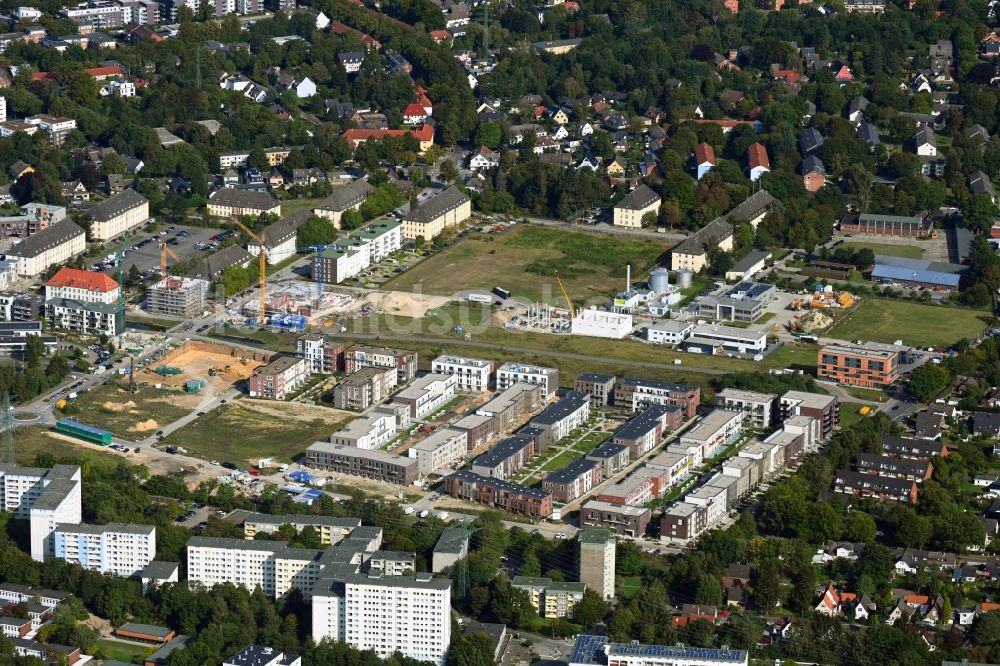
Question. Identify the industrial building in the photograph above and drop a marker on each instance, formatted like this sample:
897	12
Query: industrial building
759	409
177	297
601	324
634	206
509	374
754	262
917	273
630	521
712	339
364	388
595	559
474	375
746	302
669	331
116	549
858	365
448	208
279	378
352	461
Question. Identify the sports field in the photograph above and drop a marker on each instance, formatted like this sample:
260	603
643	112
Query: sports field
889	249
526	260
916	324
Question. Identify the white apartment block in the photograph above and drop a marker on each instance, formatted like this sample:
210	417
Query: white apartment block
383	238
232	160
427	394
57	128
441	449
758	408
117	214
116	549
331	530
408	614
715	432
474	375
509	374
44	497
55	244
271	565
372	430
82	286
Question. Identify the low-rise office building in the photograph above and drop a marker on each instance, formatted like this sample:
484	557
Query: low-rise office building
474	375
858	365
375	465
669	331
746	302
712	339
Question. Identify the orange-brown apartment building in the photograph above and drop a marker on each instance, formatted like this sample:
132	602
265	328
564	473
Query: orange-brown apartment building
859	365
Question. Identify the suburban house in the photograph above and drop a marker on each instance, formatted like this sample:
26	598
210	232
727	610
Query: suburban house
704	159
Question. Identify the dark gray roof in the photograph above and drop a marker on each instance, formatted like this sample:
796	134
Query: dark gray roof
243	198
810	140
159	569
980	183
709	235
46	239
572	471
452	540
812	163
563	408
639	425
114	206
437	205
346	196
161	655
924	136
210	267
501	451
869	134
639	198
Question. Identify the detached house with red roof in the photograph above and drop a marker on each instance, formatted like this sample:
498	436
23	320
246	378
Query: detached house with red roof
84	302
704	159
829	604
757	161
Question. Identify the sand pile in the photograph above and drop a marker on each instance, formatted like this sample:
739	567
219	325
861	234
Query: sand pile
145	426
118	406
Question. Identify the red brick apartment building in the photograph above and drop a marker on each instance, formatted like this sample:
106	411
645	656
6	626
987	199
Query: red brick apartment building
512	497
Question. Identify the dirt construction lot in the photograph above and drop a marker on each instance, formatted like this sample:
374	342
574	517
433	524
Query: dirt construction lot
131	416
195	360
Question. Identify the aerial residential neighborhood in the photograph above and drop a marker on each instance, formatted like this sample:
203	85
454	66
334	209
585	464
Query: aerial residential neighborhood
341	332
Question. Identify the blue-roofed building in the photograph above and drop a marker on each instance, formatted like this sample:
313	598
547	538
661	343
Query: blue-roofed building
592	650
914	273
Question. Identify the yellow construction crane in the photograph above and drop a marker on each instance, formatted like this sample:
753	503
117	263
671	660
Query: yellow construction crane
164	250
569	302
262	256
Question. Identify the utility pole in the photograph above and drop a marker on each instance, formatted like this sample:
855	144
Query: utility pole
7	423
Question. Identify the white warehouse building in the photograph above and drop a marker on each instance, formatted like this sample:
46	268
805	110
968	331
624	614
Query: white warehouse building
600	324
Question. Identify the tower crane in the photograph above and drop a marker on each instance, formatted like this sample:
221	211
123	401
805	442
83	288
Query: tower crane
317	266
569	302
262	256
164	251
120	263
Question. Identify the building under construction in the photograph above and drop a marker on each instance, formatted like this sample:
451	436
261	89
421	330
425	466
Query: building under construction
178	296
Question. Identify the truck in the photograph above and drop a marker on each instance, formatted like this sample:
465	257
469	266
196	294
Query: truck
501	292
480	298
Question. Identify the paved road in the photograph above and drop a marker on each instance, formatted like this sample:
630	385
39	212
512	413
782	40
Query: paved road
605	228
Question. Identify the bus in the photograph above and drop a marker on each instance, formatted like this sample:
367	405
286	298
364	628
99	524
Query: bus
501	292
87	433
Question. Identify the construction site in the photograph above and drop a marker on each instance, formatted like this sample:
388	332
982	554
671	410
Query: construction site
820	310
217	366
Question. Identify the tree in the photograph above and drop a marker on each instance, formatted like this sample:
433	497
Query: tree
649	219
767	588
316	231
34	350
591	609
489	135
978	213
860	527
470	649
449	172
927	381
708	590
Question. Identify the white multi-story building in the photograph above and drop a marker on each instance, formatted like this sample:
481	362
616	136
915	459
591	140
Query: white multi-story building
3	109
118	549
57	128
733	339
259	655
600	324
509	374
427	394
82	301
386	614
44	497
715	432
272	565
441	449
117	214
330	529
383	238
473	374
669	331
759	409
372	430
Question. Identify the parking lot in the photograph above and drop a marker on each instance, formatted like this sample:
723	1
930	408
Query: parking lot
143	250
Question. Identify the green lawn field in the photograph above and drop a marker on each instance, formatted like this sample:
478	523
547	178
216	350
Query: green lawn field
526	260
107	406
889	250
916	324
29	441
